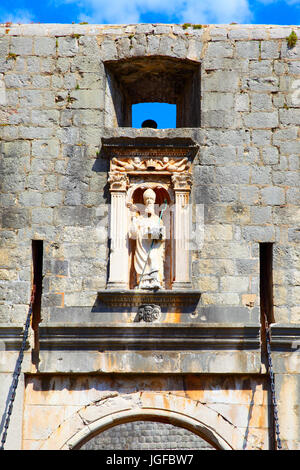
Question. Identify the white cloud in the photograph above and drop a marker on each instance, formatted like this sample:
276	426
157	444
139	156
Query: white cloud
182	11
128	11
216	11
192	11
16	16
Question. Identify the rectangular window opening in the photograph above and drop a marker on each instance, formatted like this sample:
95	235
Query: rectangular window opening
155	81
37	283
266	281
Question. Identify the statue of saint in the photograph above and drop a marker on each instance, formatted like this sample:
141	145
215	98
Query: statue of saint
149	232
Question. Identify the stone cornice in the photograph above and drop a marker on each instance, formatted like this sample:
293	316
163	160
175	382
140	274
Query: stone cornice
156	336
285	336
53	29
11	336
148	143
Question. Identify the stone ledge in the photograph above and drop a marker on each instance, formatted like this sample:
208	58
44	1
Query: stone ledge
285	336
130	133
166	349
154	337
141	140
56	29
11	336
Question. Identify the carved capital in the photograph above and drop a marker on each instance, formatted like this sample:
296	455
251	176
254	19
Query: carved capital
118	181
182	181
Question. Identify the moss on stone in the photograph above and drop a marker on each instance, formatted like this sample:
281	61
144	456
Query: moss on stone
291	40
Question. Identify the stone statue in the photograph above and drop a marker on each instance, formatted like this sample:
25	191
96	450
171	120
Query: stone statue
149	232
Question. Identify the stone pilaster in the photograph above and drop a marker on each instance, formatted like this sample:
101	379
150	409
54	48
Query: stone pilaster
182	187
118	268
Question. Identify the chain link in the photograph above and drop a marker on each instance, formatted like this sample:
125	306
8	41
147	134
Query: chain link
16	374
272	383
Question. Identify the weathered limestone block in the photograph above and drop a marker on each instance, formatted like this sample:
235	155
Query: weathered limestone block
273	196
21	45
261	120
247	49
219	49
221	81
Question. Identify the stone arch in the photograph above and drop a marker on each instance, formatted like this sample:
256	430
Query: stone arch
114	409
162	416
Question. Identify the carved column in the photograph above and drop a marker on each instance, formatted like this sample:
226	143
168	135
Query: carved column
118	268
182	188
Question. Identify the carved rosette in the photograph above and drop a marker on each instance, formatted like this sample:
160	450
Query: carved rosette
118	181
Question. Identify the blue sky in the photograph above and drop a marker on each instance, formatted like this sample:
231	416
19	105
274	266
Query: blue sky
152	11
285	12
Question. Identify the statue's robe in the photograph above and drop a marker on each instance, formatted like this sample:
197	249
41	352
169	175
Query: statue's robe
144	230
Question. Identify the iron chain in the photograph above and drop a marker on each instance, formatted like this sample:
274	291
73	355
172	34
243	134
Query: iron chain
16	374
272	383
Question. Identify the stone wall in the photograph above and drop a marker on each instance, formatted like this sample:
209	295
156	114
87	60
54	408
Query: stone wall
58	103
54	108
